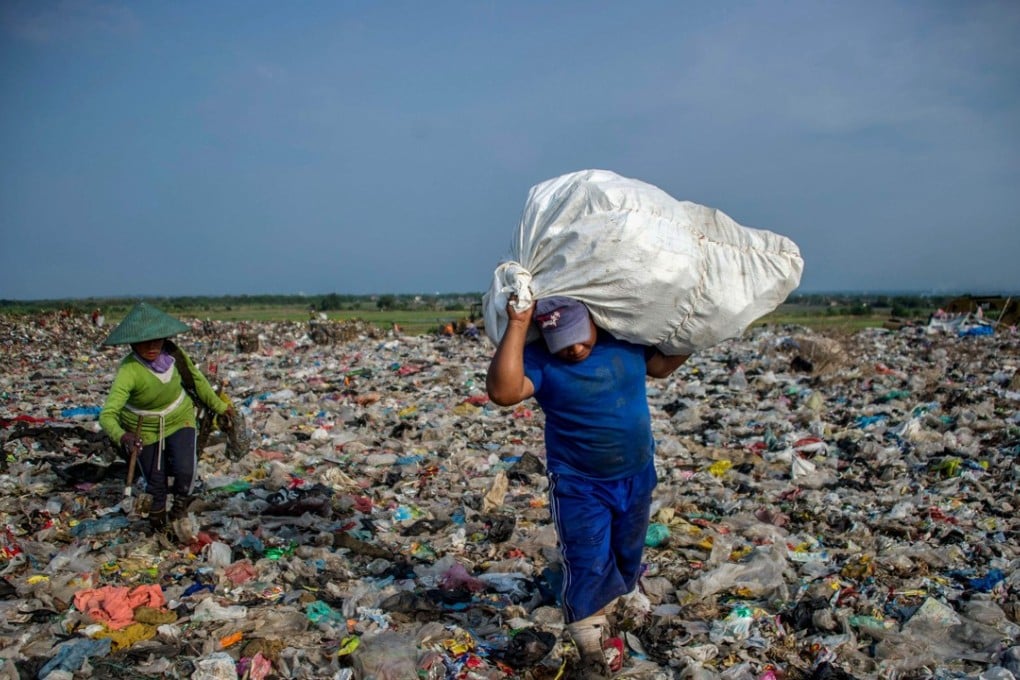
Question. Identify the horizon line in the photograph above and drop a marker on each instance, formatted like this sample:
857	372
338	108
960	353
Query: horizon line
982	292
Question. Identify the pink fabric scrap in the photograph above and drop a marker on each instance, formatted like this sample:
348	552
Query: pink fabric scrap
115	605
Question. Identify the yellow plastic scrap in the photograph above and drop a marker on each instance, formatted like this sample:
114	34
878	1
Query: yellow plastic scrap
37	578
720	467
687	527
460	645
128	636
916	592
145	566
561	671
465	408
348	645
408	411
950	467
858	569
738	554
707	542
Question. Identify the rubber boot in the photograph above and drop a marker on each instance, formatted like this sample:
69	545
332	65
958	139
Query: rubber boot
157	520
180	508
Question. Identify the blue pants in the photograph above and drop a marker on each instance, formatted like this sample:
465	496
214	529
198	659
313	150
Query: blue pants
178	461
601	527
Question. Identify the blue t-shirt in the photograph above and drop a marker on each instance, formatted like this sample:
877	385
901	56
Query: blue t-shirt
597	423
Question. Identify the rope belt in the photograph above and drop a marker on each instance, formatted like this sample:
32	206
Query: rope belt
161	414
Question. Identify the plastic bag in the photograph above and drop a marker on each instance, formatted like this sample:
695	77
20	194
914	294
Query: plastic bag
216	666
760	576
239	436
386	656
652	269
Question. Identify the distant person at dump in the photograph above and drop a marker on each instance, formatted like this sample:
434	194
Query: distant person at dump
150	407
599	451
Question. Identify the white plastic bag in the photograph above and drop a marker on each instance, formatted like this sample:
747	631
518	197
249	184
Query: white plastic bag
652	269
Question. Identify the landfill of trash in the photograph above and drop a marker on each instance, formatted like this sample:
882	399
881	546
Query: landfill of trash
829	506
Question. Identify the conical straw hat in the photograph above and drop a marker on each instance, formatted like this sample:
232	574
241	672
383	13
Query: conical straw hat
144	322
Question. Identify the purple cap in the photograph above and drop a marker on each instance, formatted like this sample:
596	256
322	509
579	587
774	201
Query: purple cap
563	321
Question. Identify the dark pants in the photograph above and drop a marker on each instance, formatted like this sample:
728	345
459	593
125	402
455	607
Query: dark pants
178	461
601	526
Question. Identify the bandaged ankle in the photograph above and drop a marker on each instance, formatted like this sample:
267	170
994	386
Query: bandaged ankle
589	633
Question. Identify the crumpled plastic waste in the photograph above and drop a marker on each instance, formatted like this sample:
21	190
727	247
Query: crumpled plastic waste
72	654
829	506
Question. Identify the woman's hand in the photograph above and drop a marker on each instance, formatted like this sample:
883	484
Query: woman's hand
131	442
225	420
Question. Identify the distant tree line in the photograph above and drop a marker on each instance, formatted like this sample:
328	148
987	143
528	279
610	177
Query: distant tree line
325	303
848	304
829	304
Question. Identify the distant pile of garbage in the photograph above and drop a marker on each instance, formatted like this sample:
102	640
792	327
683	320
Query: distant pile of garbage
828	507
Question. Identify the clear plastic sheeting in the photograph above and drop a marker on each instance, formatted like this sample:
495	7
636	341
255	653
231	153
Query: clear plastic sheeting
829	506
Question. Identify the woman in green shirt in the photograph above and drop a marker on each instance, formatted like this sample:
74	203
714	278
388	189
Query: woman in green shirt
149	407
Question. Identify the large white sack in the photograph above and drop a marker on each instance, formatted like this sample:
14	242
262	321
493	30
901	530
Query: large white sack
652	269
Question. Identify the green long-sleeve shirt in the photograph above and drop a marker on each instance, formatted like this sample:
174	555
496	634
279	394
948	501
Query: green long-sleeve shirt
137	386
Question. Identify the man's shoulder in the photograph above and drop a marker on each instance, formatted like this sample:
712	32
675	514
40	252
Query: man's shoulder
613	343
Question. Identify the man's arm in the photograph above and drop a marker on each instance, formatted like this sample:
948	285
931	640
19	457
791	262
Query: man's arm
660	366
506	383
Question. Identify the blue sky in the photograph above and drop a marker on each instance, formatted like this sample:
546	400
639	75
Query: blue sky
208	148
